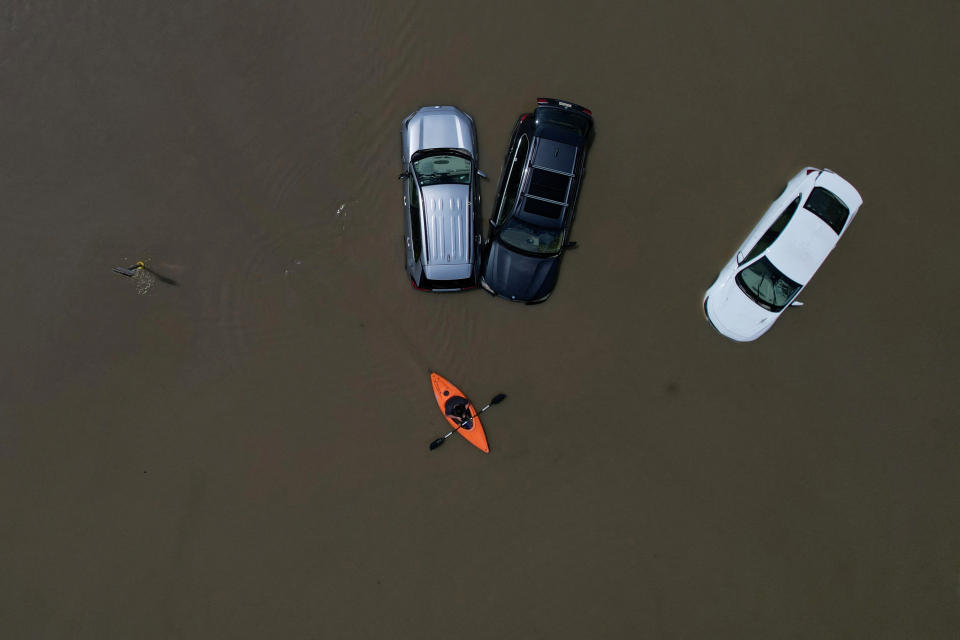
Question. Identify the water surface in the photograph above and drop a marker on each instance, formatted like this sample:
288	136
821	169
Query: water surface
245	454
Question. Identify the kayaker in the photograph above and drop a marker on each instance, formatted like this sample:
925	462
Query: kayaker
462	415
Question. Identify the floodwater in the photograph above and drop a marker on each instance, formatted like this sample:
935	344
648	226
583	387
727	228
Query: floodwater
244	453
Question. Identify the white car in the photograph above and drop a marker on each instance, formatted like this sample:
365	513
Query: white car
781	254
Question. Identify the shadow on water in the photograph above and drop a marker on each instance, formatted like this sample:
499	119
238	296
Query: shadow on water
161	278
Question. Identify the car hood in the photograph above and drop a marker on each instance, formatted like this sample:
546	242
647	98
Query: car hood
439	128
735	315
517	276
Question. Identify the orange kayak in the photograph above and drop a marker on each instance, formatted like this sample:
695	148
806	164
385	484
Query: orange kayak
449	397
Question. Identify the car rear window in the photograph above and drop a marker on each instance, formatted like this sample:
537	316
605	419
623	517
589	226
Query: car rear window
828	208
564	118
549	185
542	208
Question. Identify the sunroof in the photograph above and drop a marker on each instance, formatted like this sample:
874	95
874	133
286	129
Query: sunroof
549	185
542	208
555	155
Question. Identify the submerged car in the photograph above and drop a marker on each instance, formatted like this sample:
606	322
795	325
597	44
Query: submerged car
536	197
441	199
781	254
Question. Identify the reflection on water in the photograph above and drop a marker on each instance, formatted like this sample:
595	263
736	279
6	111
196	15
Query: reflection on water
144	281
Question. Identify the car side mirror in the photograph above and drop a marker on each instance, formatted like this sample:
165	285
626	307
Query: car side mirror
796	303
404	175
570	245
481	174
739	258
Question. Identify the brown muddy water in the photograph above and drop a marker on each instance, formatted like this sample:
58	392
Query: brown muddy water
245	454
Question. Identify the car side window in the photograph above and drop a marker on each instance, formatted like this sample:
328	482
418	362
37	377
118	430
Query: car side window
774	231
413	197
512	188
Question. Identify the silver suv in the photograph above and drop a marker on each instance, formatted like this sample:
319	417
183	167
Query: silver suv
441	199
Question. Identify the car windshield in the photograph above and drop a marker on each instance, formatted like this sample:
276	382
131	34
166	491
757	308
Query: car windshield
530	239
442	169
767	286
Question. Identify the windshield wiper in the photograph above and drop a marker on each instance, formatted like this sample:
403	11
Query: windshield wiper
763	277
761	300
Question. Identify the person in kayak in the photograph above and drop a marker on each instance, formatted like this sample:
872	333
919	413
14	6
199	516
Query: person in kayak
461	413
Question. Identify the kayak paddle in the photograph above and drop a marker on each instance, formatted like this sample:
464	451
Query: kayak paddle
497	399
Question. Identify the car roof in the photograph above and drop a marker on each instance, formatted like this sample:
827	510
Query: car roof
803	246
447	230
553	155
810	236
544	200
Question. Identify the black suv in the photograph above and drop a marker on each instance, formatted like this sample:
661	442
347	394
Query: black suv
535	201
